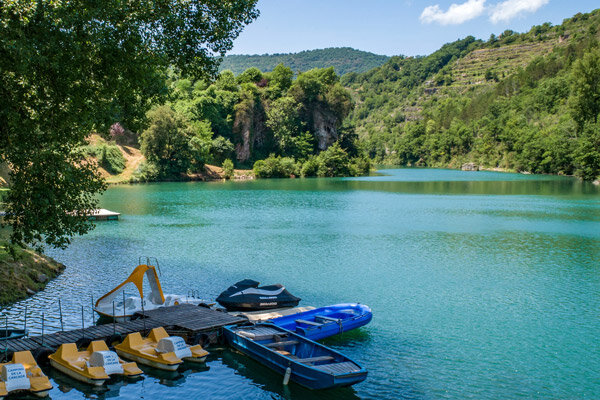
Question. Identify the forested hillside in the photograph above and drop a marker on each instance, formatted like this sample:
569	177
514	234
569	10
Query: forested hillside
526	102
342	59
278	125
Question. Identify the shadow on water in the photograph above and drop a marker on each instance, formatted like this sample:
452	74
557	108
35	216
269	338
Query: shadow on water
109	390
271	381
354	338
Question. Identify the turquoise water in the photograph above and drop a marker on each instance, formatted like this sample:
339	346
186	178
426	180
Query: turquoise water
483	285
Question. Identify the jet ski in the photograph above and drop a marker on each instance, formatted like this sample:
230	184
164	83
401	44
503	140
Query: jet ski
246	295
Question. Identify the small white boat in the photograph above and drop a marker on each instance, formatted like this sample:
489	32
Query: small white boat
262	316
121	307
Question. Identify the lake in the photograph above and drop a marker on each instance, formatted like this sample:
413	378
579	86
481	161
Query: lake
483	285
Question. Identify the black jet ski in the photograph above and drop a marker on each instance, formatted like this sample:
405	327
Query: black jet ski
246	295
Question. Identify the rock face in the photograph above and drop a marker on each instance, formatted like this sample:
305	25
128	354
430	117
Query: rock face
252	137
242	148
249	131
470	167
324	124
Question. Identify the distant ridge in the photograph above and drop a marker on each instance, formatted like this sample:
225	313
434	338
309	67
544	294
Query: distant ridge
343	59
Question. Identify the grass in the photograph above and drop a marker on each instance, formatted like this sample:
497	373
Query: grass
22	270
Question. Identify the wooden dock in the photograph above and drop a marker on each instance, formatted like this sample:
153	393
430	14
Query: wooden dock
103	214
184	320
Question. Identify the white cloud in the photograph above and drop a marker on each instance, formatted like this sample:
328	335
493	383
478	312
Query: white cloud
456	14
509	9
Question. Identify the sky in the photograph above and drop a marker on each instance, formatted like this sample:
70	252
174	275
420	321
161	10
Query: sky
393	27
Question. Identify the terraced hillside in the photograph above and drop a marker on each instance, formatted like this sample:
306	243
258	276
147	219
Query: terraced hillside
499	62
519	101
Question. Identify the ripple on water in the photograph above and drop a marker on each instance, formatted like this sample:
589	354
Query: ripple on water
482	286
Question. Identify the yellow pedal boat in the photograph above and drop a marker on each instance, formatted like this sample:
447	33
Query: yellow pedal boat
159	350
94	365
23	374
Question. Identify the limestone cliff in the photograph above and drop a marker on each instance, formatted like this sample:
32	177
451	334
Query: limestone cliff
324	128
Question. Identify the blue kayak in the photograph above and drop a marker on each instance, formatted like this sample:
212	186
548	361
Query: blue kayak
326	321
310	364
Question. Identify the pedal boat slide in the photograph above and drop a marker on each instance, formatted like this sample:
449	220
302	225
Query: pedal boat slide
115	305
159	350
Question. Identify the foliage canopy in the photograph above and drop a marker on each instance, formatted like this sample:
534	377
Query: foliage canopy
70	67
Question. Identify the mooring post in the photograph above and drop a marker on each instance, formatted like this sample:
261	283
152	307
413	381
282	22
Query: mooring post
62	328
144	317
114	320
124	319
6	339
82	324
25	323
92	309
42	329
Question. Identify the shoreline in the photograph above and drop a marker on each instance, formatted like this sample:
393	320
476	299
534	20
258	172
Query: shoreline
25	274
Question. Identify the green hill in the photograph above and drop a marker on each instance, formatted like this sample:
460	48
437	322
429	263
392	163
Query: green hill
343	59
520	101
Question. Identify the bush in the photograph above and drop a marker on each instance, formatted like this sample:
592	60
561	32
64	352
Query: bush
146	172
310	167
360	166
228	170
334	162
275	167
111	159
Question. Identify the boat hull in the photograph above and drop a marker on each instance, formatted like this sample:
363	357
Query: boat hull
307	376
75	375
349	316
197	360
150	363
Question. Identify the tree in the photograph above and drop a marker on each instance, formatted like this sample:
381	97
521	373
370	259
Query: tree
283	118
585	102
228	171
251	75
200	143
70	67
166	143
587	155
280	80
221	149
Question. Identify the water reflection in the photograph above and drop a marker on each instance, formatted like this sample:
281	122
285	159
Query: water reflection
271	381
66	385
480	283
